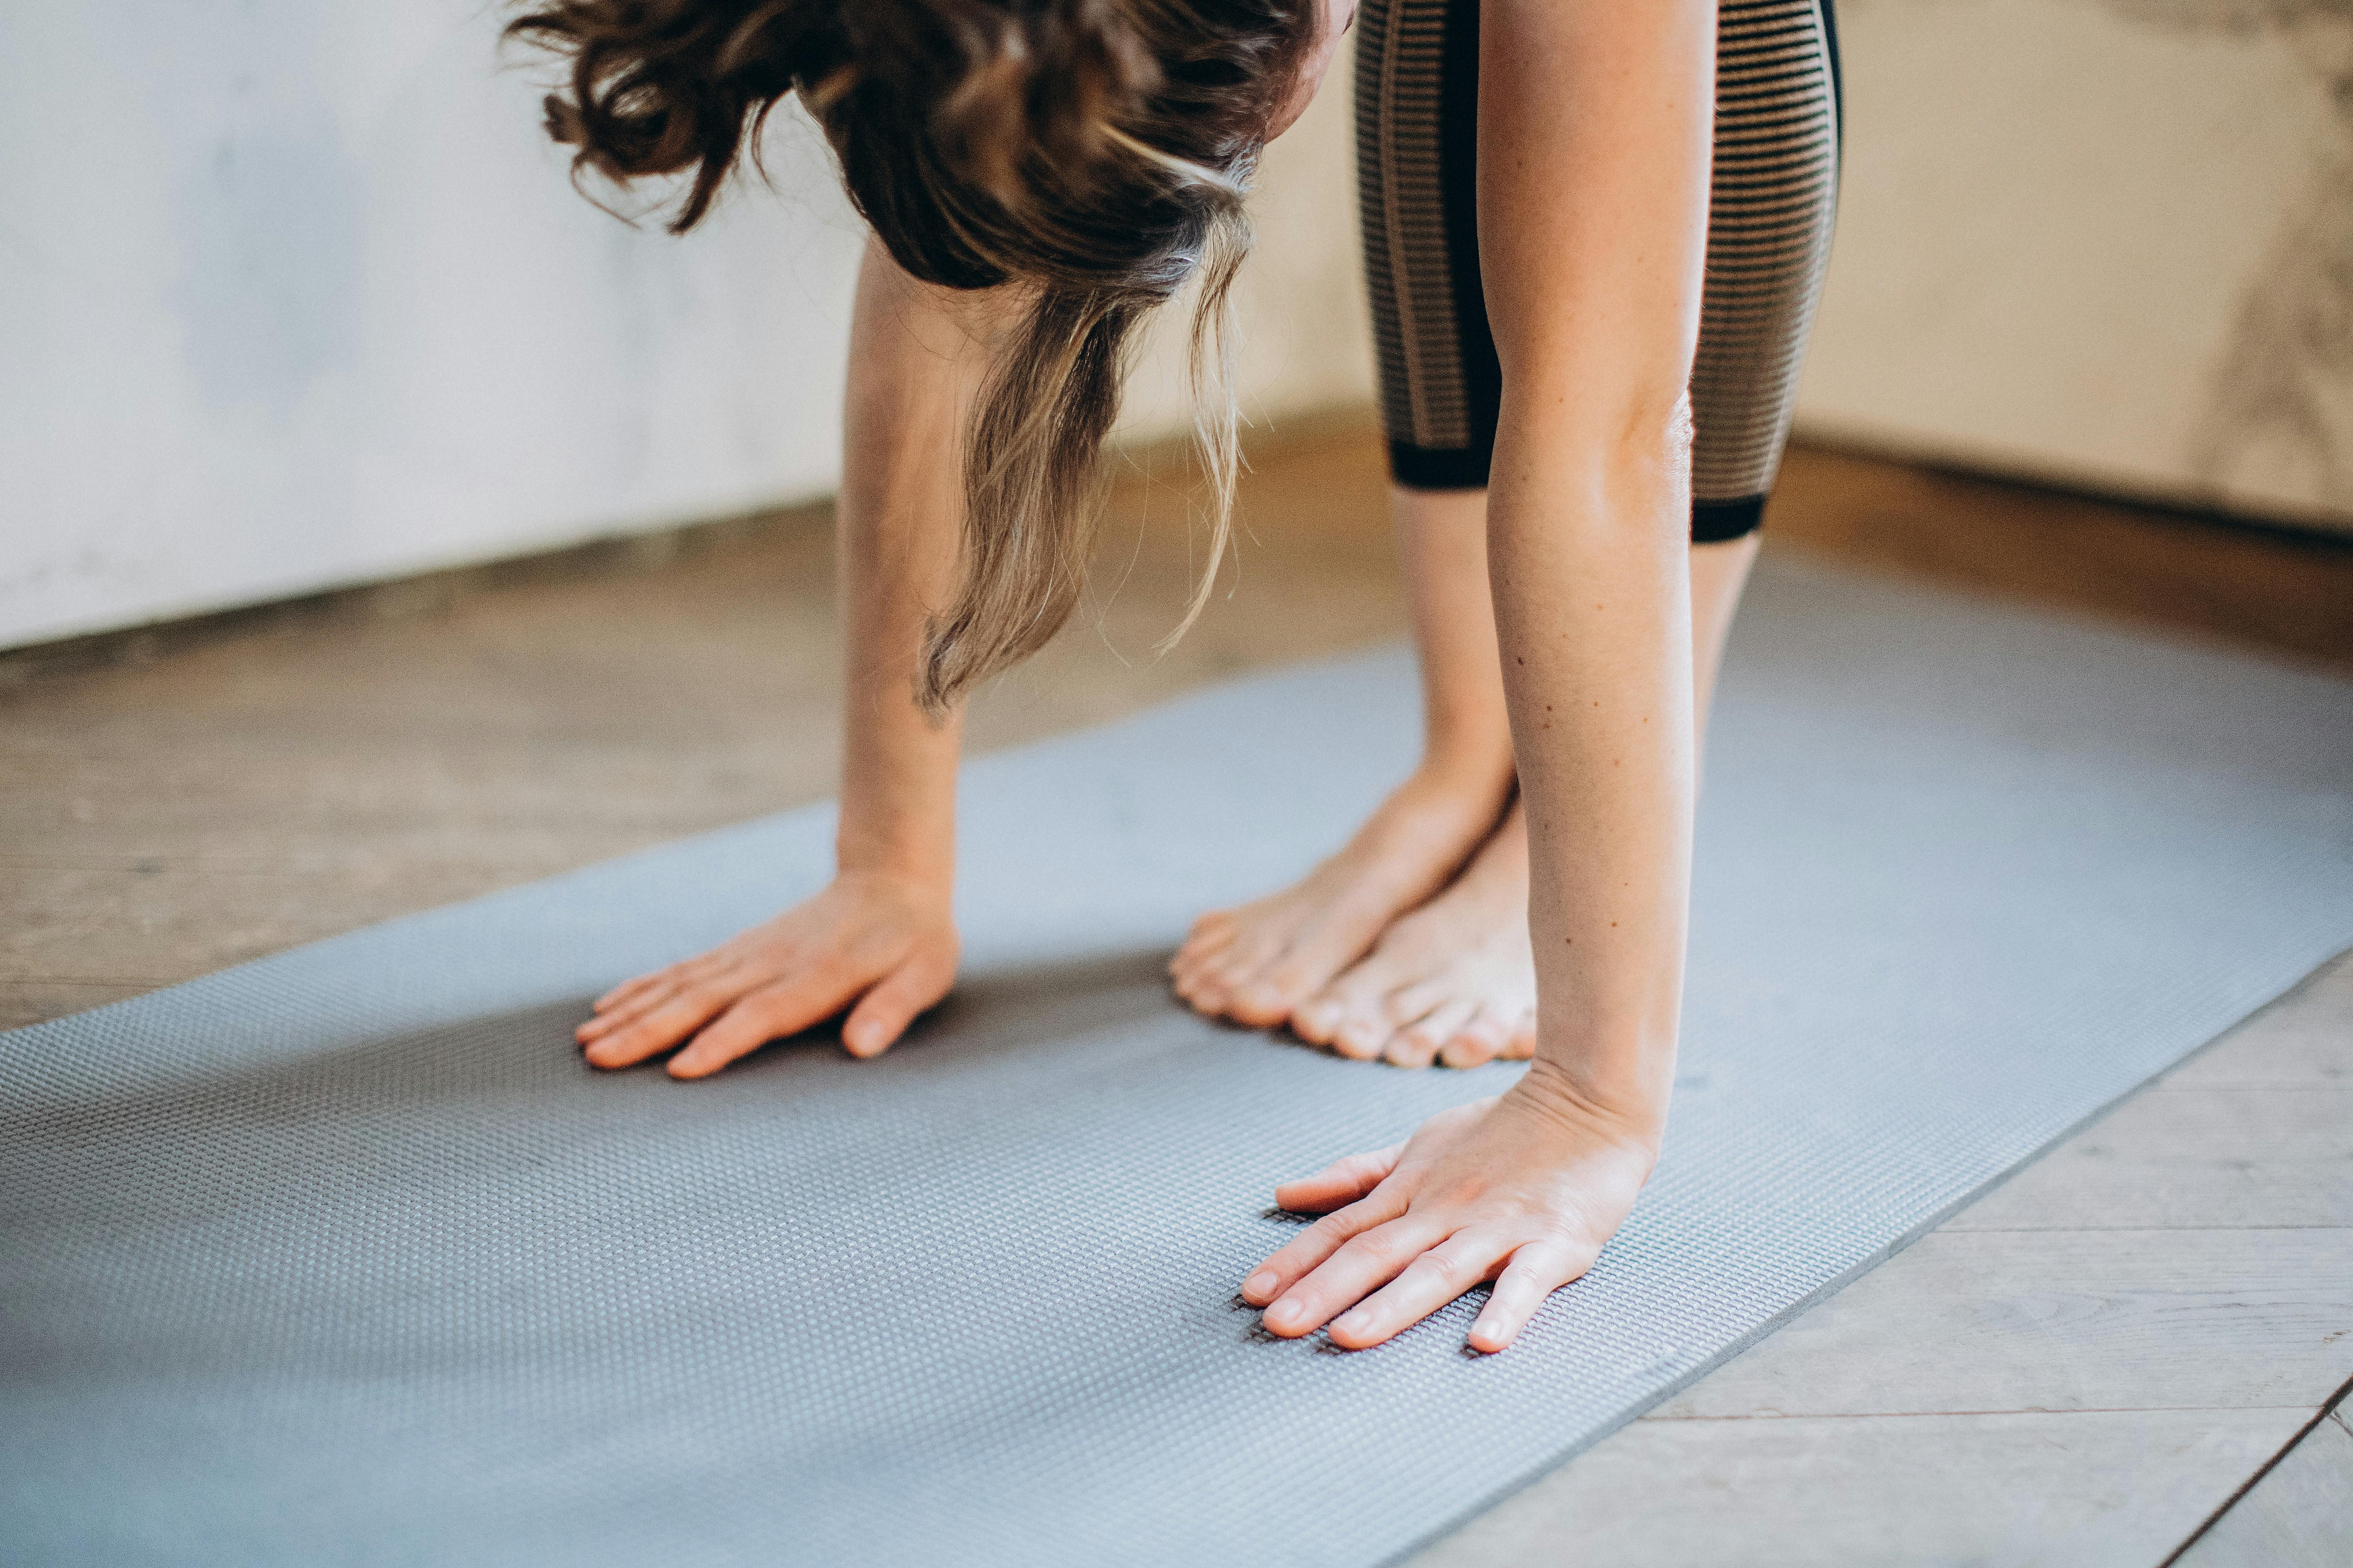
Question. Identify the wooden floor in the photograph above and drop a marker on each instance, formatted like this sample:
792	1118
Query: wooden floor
2084	1367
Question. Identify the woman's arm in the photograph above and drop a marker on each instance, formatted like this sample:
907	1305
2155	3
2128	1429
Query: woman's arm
1593	155
880	941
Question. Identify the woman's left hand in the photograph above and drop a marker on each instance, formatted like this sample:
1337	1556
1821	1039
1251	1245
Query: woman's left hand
1523	1189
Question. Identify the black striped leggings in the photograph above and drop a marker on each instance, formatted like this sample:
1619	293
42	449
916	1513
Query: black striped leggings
1769	208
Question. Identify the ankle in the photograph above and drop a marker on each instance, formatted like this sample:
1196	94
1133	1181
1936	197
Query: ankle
1436	815
1454	788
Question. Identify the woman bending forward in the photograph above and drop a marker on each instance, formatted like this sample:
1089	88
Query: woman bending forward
1586	382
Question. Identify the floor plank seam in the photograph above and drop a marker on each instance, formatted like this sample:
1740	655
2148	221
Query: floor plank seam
2019	1410
147	980
2125	1229
2329	1408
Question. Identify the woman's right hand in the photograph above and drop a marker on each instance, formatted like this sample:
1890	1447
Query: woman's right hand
882	947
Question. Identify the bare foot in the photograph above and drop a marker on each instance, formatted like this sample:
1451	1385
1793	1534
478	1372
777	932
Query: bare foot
1256	964
1452	982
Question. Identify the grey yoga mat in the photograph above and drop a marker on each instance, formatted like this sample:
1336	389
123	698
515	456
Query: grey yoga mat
344	1257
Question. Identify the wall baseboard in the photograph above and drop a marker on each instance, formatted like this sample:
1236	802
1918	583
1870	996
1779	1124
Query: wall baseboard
1160	458
401	598
1157	458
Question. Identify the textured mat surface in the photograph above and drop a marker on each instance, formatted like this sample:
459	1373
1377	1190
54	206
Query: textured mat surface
344	1257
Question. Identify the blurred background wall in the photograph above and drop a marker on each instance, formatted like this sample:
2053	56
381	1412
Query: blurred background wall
2107	242
294	295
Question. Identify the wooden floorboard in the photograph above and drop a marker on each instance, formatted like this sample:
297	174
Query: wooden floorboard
2298	1514
284	777
2088	1489
2175	1159
2060	1320
2072	1385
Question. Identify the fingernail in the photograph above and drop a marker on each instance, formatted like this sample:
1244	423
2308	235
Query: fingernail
1355	1322
1260	1283
1282	1314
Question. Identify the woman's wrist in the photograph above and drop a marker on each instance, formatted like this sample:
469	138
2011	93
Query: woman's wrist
1625	1106
921	857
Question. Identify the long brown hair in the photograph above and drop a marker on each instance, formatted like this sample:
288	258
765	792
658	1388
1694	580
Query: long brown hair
1092	152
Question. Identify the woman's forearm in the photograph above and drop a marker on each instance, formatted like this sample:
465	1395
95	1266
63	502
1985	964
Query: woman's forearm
1596	306
1592	599
915	361
877	944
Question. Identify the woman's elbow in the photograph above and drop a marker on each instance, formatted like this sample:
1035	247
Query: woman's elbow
1645	428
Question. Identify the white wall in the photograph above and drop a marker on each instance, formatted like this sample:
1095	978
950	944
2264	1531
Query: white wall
294	294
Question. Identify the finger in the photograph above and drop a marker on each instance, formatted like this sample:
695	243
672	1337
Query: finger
1358	1270
1416	1045
1426	1284
1341	1182
623	1013
786	1007
636	987
1302	1252
1535	1272
665	1027
670	977
883	1014
1477	1042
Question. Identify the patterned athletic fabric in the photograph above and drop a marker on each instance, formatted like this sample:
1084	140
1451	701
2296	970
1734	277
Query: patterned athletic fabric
1769	210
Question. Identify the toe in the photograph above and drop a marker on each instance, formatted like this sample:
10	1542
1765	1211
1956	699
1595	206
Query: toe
1359	1025
1213	982
1317	1019
1416	1044
1204	943
1477	1042
1256	1008
1213	927
1411	1004
1360	1037
1259	1002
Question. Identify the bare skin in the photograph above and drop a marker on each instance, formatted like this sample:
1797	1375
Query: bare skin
1256	964
1595	305
1398	947
1452	981
879	945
